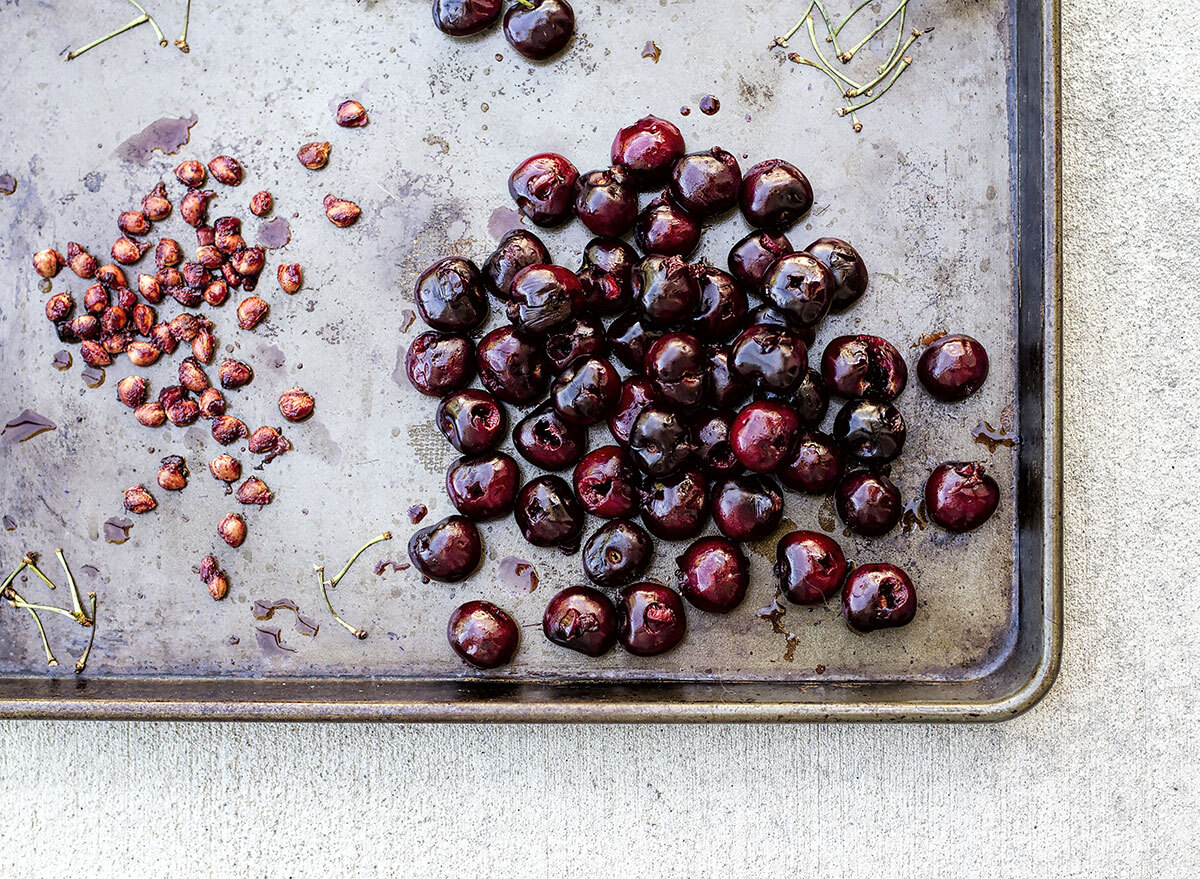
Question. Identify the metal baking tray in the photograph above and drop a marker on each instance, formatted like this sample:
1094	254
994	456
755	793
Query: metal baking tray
950	192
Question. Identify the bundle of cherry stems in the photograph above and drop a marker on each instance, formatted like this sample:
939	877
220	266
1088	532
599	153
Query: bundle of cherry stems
145	17
9	592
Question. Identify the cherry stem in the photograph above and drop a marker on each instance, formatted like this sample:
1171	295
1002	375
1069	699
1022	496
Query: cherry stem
82	663
386	535
845	21
866	89
832	38
8	580
162	40
182	42
907	60
812	36
141	19
782	42
30	561
360	634
847	55
17	601
892	58
526	3
75	602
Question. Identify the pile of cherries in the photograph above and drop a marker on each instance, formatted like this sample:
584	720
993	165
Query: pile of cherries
538	29
719	409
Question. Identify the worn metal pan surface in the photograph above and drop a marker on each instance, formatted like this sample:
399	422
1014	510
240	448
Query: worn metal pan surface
950	192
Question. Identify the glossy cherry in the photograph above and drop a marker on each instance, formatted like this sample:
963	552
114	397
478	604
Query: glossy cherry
450	295
864	367
483	487
544	298
810	398
651	618
540	30
953	367
586	391
483	635
518	249
511	366
675	507
543	186
773	358
583	337
849	270
607	275
636	395
961	496
606	483
448	550
750	258
548	514
472	421
713	452
878	597
545	440
764	434
869	503
438	363
705	184
618	553
874	433
606	201
677	364
663	227
801	286
815	466
666	289
725	389
722	307
660	441
581	618
774	194
809	567
648	150
748	507
461	18
713	574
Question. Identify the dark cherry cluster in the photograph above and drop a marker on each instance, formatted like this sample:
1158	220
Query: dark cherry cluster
538	29
703	379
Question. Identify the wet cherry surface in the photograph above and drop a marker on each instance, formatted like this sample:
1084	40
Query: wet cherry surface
961	496
878	596
809	567
581	618
618	553
652	619
472	421
869	503
448	550
747	507
864	367
606	483
546	440
483	635
713	574
483	487
548	513
953	367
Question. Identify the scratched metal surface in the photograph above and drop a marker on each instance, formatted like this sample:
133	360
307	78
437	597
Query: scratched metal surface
924	193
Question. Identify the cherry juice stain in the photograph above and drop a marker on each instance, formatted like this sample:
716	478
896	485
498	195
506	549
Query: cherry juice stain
709	105
25	426
502	221
913	518
265	610
10	523
774	613
8	184
407	316
651	51
986	435
926	339
167	135
270	643
93	376
826	515
116	530
388	563
274	234
417	512
62	360
518	574
685	111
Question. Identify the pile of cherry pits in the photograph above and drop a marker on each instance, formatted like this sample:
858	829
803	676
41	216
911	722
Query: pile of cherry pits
719	408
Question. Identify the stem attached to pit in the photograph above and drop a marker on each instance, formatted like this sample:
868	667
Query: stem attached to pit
141	19
182	42
82	663
30	561
360	634
849	53
782	42
162	40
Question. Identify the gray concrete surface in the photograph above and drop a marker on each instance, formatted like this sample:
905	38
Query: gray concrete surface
1098	780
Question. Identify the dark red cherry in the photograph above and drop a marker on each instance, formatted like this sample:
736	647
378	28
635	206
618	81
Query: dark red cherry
961	496
663	227
774	194
651	619
722	306
449	295
548	514
472	421
448	550
541	29
873	433
815	466
864	367
582	338
483	635
518	249
748	507
809	566
869	503
484	487
849	270
706	184
666	289
636	395
764	434
710	431
543	186
438	363
675	507
586	391
606	483
630	337
810	398
511	366
659	440
750	258
461	18
725	388
769	314
545	440
713	574
648	150
878	597
617	554
801	286
606	201
607	275
953	367
677	364
581	618
773	358
544	298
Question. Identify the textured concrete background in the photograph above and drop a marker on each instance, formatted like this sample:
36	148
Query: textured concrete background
1098	780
